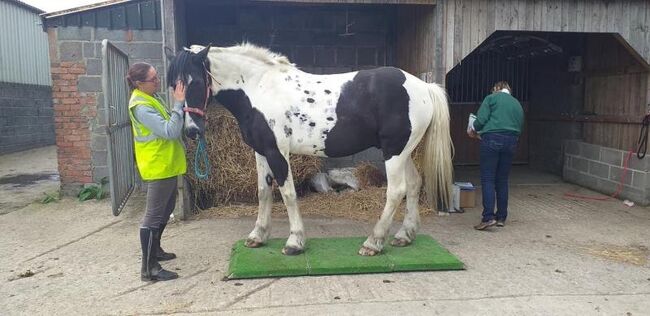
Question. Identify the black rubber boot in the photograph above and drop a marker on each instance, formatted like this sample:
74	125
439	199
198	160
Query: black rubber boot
151	269
161	254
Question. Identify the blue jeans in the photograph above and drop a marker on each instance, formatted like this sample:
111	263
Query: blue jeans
497	151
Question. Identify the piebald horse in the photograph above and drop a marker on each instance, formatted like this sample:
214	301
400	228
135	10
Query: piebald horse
282	110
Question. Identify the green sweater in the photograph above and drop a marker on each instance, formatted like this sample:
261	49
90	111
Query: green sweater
499	112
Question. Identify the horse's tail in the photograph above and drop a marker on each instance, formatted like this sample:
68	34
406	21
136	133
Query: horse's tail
438	151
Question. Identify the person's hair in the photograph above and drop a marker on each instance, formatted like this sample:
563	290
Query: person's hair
500	86
137	72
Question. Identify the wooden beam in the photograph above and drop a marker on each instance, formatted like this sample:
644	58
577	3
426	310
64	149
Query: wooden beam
422	2
614	119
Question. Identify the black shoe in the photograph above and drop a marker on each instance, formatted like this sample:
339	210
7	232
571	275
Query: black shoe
161	255
484	225
501	223
151	269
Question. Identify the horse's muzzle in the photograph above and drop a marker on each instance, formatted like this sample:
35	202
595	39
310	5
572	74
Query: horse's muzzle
192	133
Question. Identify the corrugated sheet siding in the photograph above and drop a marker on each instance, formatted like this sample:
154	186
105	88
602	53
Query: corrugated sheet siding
24	55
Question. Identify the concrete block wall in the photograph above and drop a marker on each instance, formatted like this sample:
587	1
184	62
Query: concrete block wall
79	111
600	168
26	117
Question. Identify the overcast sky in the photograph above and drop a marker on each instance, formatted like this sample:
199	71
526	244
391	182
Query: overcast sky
58	5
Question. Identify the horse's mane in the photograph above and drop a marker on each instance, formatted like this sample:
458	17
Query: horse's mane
177	68
259	53
250	50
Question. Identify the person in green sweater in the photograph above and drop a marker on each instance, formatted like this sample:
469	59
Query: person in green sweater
498	125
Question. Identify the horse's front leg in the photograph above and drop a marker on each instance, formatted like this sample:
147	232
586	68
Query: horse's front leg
279	164
296	242
262	230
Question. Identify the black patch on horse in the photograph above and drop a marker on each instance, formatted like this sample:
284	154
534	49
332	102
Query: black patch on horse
255	131
372	111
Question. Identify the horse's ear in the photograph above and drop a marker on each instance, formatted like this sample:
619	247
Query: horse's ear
203	54
169	54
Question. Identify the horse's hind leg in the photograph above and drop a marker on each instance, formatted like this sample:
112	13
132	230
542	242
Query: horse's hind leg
262	230
395	192
406	233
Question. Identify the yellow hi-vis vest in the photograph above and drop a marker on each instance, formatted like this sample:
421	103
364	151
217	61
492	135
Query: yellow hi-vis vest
156	158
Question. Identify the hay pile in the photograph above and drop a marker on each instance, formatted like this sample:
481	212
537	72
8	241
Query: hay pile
233	176
369	175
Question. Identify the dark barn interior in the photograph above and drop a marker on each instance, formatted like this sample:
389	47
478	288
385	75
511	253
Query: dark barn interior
571	85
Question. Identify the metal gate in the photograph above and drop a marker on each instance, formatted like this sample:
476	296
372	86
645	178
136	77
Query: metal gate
121	165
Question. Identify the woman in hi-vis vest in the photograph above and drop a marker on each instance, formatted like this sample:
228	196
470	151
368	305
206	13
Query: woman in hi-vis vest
160	158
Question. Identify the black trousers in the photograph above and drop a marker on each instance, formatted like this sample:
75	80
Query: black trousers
161	199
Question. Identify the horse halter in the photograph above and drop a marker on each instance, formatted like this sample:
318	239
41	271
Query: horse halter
208	92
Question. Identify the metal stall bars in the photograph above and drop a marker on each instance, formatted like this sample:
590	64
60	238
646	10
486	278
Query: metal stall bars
121	164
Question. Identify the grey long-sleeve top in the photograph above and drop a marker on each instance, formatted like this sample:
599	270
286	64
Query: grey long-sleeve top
159	126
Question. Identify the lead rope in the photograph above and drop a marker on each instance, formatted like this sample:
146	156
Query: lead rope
642	143
201	160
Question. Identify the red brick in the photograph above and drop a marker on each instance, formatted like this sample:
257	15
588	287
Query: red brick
58	70
70	101
77	70
68	88
69	76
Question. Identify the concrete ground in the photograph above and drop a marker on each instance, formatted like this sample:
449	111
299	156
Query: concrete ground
554	257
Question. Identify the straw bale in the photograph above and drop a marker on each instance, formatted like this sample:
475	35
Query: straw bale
233	176
365	204
369	175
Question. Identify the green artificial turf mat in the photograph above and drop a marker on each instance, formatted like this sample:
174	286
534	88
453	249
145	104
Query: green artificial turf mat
328	256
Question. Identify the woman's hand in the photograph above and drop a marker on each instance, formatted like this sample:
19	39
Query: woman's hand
179	92
473	134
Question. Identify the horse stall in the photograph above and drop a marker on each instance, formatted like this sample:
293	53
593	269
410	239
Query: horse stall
584	97
320	38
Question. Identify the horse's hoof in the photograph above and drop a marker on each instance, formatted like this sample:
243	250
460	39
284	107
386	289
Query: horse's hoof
365	251
253	244
399	242
291	251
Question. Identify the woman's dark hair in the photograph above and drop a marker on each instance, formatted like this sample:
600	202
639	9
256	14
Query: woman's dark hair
137	72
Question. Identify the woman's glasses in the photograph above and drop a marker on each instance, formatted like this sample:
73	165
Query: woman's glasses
154	79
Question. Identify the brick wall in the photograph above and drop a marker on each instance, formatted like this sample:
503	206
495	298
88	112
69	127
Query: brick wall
79	111
600	168
26	119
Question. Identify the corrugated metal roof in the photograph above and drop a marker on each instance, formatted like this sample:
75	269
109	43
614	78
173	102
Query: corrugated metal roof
24	53
84	8
116	14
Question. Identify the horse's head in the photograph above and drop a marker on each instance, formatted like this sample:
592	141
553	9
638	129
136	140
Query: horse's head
191	68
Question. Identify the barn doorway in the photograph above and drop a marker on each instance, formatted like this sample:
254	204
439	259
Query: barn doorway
585	86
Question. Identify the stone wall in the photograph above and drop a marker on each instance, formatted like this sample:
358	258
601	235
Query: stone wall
26	117
79	111
600	168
